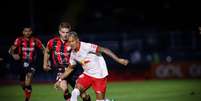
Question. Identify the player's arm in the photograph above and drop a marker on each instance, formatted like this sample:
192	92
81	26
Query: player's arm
11	52
70	68
46	65
12	49
67	72
112	55
40	45
43	49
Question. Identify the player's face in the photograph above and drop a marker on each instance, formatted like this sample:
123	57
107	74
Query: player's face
27	32
64	32
73	42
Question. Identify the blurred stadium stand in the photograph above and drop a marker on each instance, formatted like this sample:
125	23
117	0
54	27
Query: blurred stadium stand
143	50
148	33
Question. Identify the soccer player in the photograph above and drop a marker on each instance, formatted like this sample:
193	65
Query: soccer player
58	48
24	50
95	70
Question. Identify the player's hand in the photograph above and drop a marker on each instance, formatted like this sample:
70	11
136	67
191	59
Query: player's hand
16	56
123	61
57	85
46	67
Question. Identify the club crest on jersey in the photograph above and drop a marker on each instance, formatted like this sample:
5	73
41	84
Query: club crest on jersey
33	43
68	48
84	62
23	43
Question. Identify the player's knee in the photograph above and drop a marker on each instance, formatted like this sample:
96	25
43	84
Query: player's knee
28	83
63	87
100	96
75	92
29	75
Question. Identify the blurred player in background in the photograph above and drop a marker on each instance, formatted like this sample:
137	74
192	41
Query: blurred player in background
24	50
199	29
95	69
58	48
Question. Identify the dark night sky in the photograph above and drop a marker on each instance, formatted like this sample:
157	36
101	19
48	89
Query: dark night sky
98	15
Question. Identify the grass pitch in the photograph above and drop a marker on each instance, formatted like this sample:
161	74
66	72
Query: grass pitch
148	90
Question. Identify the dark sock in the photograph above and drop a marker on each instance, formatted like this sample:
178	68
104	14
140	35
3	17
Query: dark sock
67	95
27	92
87	98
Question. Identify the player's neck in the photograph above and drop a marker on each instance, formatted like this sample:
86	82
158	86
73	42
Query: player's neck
27	38
78	46
63	41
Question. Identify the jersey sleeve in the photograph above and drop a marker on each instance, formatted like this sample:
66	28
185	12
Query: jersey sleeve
91	47
72	59
39	43
49	44
17	42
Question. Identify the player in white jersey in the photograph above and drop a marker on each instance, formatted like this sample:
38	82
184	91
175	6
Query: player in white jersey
95	69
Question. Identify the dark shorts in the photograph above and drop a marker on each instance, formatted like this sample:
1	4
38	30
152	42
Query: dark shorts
25	68
73	76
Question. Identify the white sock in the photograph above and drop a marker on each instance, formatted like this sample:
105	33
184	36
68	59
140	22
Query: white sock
75	94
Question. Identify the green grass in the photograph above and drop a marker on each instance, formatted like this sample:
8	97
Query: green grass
150	90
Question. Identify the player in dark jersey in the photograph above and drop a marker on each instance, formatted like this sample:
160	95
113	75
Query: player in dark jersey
59	50
24	50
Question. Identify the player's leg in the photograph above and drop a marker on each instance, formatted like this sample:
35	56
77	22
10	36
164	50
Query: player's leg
99	86
76	92
85	96
24	83
63	84
22	80
64	87
28	86
100	96
83	83
28	81
72	81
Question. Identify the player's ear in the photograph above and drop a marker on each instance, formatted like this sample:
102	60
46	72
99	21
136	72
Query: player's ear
77	39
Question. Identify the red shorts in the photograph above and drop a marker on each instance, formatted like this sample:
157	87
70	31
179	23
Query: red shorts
98	85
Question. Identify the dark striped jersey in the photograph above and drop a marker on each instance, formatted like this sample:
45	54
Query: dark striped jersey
60	51
27	48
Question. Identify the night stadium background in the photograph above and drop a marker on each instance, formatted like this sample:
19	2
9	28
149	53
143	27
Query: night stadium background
160	38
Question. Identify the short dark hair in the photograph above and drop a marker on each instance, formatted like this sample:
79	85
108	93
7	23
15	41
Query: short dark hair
25	25
64	25
73	34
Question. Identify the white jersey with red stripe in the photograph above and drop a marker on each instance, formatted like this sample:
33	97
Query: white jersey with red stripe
93	63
